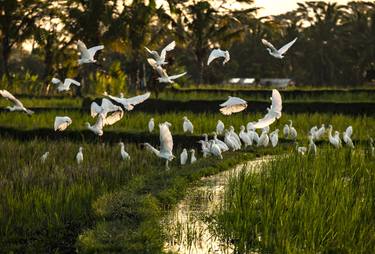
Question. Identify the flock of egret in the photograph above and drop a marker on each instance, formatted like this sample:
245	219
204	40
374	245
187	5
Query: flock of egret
112	108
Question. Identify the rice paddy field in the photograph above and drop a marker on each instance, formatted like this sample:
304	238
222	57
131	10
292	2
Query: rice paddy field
293	204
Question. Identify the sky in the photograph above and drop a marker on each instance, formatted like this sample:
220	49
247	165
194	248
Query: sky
275	7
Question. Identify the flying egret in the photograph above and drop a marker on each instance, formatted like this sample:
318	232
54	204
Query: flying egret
263	139
79	156
97	128
216	53
160	59
220	127
292	131
215	149
187	126
278	53
18	106
312	146
44	157
62	122
221	144
346	136
166	144
87	55
301	149
244	137
193	159
274	137
151	125
124	155
233	105
111	113
66	85
274	112
164	77
183	156
334	140
129	103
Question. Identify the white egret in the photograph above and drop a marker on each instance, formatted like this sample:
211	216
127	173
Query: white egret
286	131
66	85
124	155
151	125
372	148
274	112
97	128
263	139
183	156
312	146
278	53
111	113
87	55
205	148
252	133
235	137
215	149
166	144
160	59
301	149
233	105
79	156
334	140
220	127
229	141
216	53
274	137
244	137
292	131
18	106
62	122
193	159
187	125
164	77
346	136
44	157
320	132
221	144
129	103
313	131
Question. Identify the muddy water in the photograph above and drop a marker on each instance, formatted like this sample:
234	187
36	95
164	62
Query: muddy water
187	229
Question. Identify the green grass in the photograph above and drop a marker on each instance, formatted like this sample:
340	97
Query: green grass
296	204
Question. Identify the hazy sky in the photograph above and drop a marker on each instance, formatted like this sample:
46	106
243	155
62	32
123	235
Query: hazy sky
274	7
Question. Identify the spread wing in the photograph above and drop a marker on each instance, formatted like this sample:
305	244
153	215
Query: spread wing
166	140
162	72
7	95
169	47
177	76
153	63
233	101
216	53
113	117
95	109
60	120
69	81
83	49
92	51
276	106
264	122
136	100
56	81
269	45
228	110
285	48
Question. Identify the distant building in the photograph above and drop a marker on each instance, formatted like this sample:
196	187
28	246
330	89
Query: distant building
242	81
272	82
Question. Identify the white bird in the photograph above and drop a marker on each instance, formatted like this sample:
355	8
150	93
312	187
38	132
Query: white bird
277	53
346	136
66	85
87	55
164	77
312	146
151	125
215	149
193	159
166	144
334	140
320	132
216	53
233	105
44	157
160	59
220	127
301	149
124	155
252	133
235	137
18	106
229	141
129	103
286	131
274	137
245	137
111	113
62	122
372	148
97	128
292	131
274	112
183	156
187	125
221	144
263	139
79	156
205	148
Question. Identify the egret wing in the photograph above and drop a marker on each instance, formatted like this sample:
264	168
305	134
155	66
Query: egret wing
95	109
113	117
216	53
83	49
233	101
56	81
269	45
69	81
153	63
177	76
228	110
169	47
166	140
276	106
264	122
92	51
137	99
9	96
285	48
349	131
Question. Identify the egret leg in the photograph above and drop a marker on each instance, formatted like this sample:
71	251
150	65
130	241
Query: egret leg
166	165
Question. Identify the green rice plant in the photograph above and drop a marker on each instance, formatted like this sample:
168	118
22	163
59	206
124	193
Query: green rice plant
302	204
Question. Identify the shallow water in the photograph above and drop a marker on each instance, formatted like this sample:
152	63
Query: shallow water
187	227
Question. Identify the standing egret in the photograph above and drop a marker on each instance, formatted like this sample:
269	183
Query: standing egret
252	133
346	136
313	131
229	141
286	131
221	144
62	122
160	59
215	149
18	106
66	85
187	126
44	157
151	125
244	137
193	159
263	139
87	55
301	149
166	144
334	140
235	137
278	53
79	156
312	146
205	148
220	127
233	105
124	155
183	156
216	53
292	131
274	137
